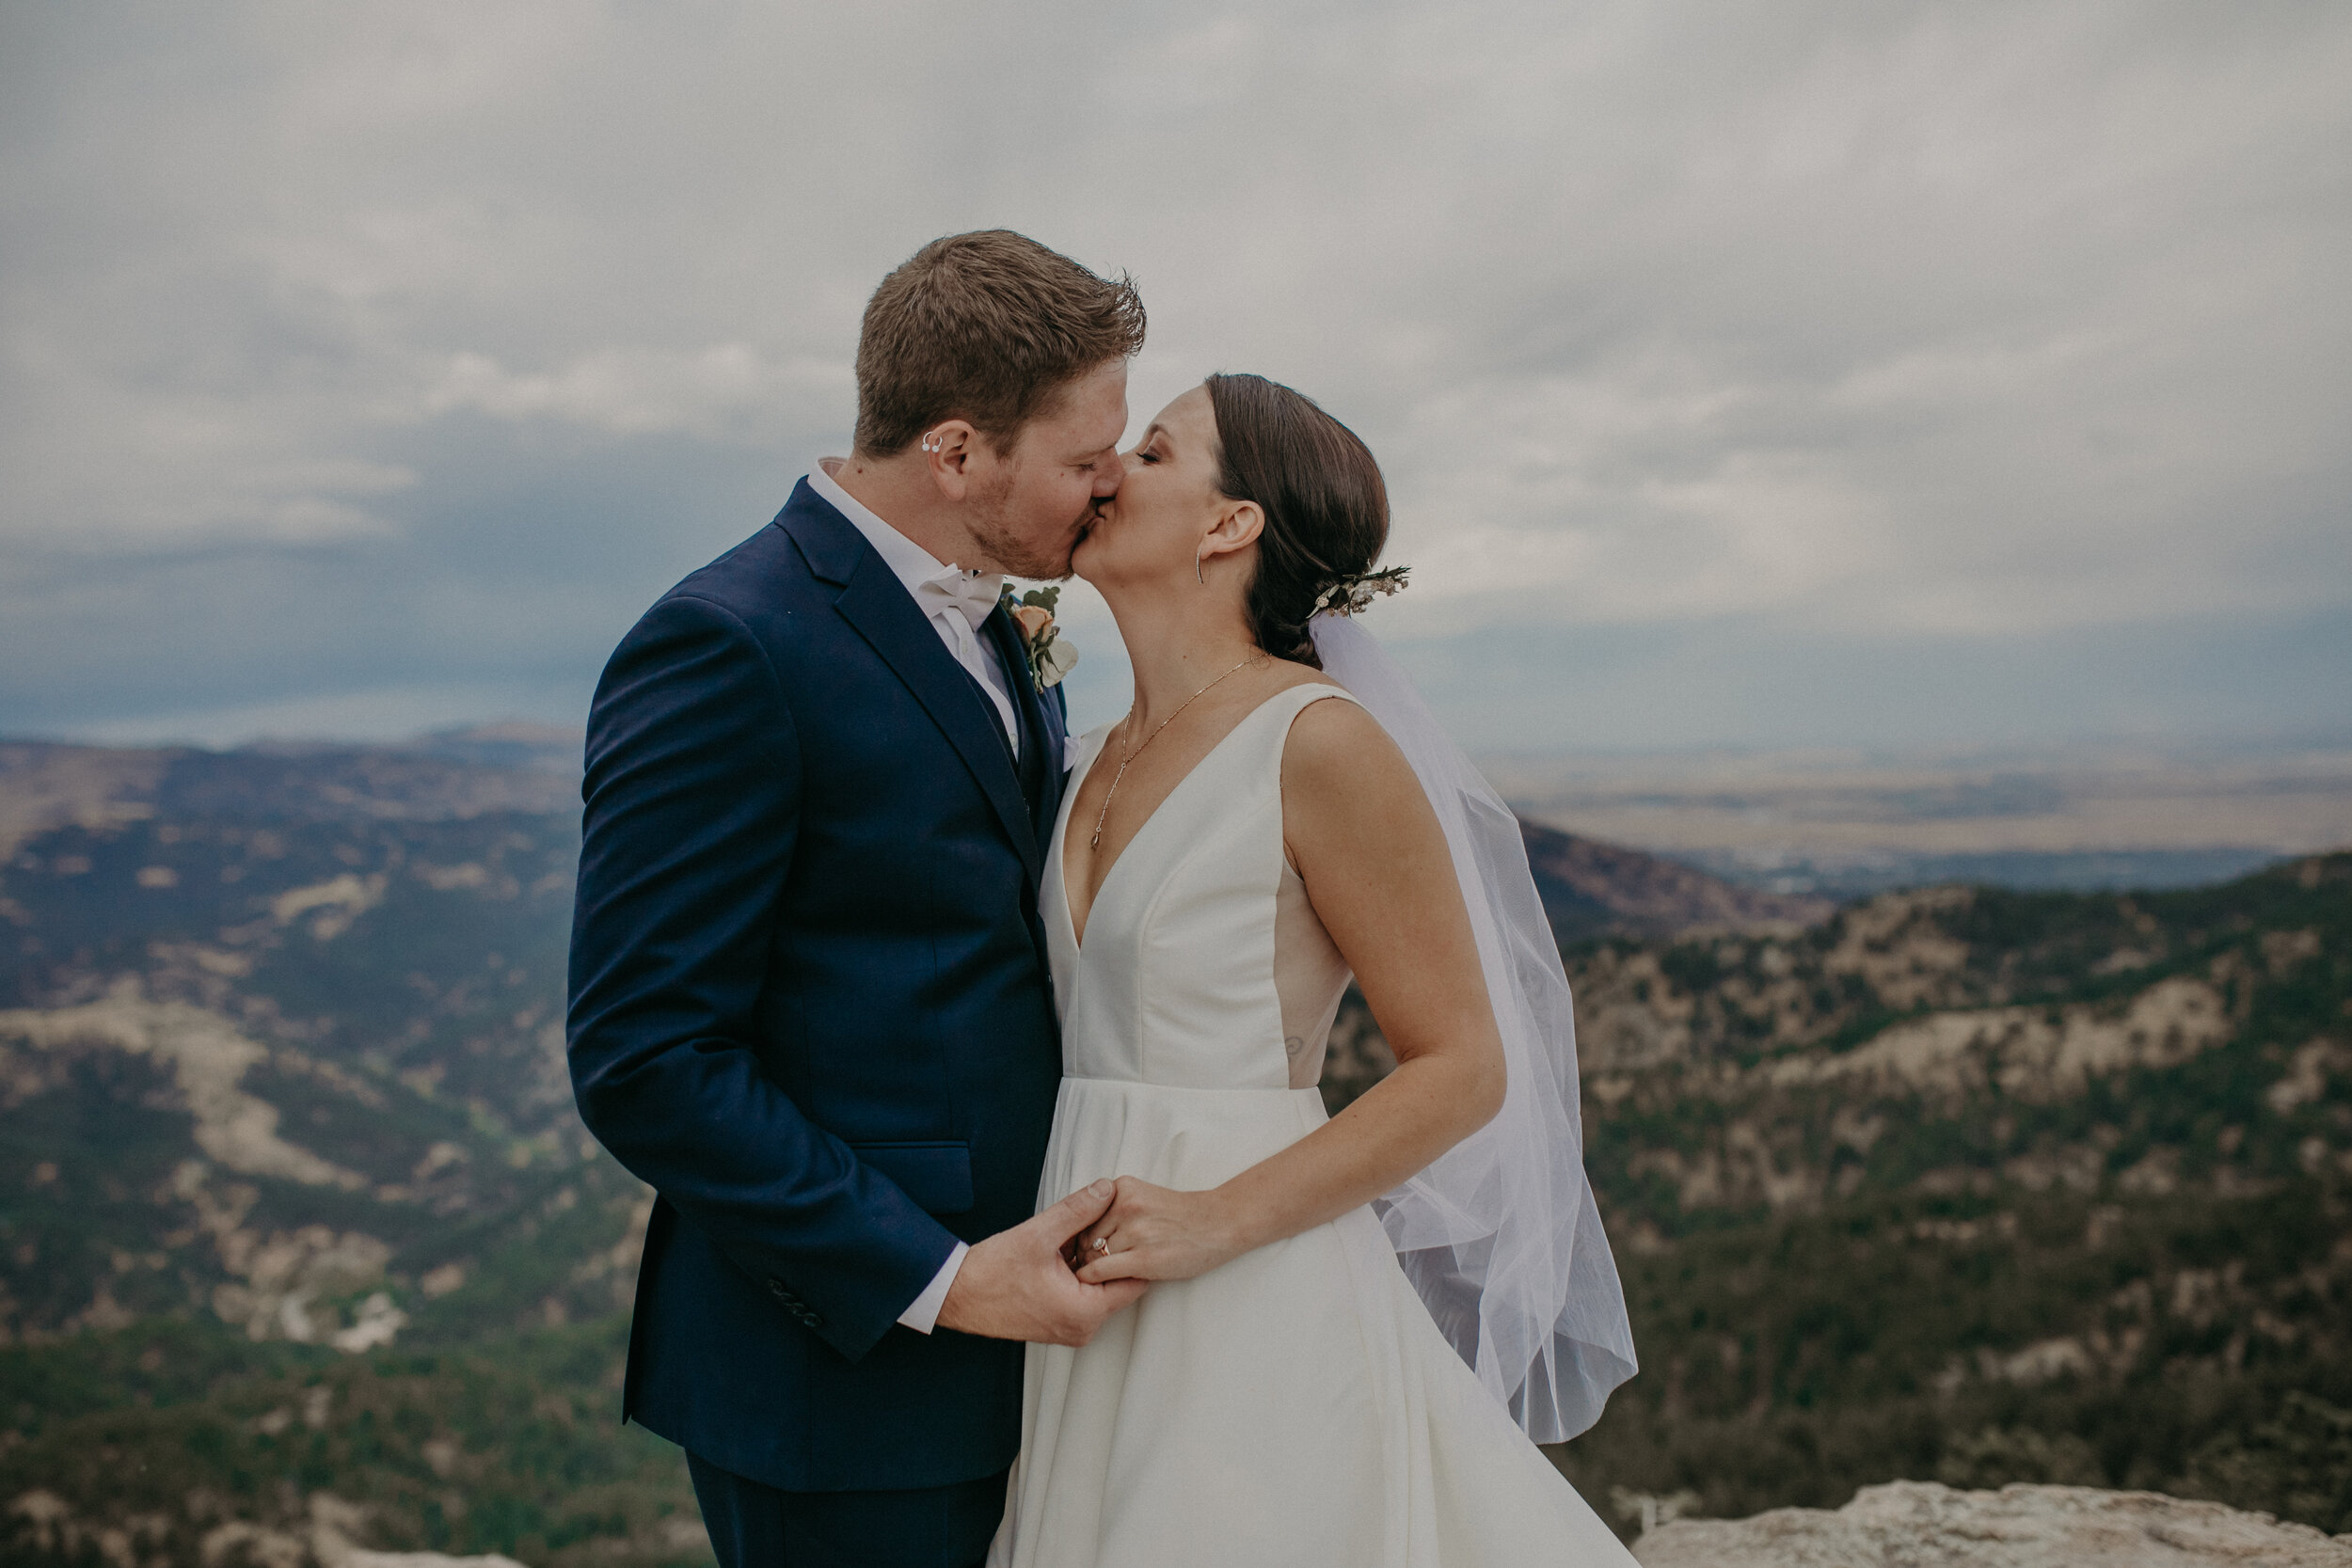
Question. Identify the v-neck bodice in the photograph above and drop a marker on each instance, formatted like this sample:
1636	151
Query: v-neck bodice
1203	964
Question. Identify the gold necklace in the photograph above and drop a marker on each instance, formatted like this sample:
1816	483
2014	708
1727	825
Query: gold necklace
1257	656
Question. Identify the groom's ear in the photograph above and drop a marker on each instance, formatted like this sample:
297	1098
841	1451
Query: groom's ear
949	449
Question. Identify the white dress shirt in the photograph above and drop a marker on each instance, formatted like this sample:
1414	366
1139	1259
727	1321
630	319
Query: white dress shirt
952	599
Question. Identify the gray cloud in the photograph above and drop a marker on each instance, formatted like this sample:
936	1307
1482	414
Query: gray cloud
370	362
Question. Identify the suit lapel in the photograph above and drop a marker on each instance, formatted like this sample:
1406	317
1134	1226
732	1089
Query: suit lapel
879	607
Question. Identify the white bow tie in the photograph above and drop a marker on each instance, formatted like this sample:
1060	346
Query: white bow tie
973	597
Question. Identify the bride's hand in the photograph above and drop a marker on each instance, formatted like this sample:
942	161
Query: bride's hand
1159	1233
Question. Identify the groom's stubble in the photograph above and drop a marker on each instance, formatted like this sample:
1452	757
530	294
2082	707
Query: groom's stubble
1040	554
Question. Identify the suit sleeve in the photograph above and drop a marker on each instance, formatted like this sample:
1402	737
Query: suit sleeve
692	796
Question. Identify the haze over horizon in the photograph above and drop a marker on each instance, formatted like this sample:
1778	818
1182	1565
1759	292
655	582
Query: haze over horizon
1840	376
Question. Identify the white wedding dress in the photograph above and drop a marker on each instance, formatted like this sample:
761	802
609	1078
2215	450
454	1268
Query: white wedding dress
1297	1406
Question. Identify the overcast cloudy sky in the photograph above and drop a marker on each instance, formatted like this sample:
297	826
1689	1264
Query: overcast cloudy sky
1861	374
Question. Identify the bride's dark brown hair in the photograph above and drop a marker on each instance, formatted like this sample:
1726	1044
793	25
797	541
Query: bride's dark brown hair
1327	507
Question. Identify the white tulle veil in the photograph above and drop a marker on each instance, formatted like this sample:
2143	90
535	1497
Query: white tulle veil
1501	1236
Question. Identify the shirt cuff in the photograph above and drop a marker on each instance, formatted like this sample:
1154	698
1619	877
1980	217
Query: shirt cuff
922	1314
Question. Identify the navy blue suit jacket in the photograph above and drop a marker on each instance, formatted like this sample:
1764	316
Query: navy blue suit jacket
810	1006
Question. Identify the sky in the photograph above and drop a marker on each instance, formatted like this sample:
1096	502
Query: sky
1853	375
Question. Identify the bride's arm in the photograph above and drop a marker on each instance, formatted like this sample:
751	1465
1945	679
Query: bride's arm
1366	843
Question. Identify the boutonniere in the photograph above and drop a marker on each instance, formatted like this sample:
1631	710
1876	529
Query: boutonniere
1050	656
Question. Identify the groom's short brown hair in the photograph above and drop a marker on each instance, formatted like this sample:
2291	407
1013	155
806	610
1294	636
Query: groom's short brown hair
989	327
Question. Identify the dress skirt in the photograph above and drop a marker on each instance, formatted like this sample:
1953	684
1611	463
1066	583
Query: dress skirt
1293	1408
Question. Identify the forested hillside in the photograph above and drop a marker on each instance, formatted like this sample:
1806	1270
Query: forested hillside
301	1245
1978	1186
298	1230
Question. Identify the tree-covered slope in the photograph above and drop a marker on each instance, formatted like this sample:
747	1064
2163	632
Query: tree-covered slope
273	1072
175	1441
1982	1186
301	1243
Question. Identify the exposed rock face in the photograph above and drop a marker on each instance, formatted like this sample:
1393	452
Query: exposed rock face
1923	1524
208	1056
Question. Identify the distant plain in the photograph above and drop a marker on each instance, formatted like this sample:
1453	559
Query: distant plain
1847	823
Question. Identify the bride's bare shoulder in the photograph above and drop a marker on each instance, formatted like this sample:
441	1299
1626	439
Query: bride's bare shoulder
1337	754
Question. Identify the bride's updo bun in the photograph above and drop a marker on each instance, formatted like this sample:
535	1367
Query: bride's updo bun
1327	507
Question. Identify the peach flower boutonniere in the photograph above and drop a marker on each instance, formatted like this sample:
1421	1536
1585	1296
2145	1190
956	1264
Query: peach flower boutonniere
1050	656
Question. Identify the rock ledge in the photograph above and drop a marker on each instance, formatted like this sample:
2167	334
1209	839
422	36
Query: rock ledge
1910	1524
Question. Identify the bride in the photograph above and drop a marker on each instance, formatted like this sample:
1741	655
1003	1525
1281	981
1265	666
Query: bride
1357	1327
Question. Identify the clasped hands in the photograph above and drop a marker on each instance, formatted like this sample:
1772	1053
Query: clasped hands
1157	1233
1047	1281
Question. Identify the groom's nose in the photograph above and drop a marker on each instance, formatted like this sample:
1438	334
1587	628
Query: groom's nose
1106	478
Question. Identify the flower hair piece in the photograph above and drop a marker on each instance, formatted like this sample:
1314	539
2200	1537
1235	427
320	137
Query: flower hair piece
1352	593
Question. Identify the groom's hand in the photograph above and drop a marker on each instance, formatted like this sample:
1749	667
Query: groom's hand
1017	1284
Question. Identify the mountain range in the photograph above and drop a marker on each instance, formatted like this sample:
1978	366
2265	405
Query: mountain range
297	1223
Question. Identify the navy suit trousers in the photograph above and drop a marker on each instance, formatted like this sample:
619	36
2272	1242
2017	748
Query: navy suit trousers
753	1525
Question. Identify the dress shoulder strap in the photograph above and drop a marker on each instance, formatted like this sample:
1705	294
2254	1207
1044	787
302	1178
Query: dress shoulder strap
1282	709
1298	699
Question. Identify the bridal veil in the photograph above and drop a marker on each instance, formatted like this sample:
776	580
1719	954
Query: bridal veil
1501	1237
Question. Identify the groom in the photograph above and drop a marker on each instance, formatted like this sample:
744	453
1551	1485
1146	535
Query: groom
809	995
